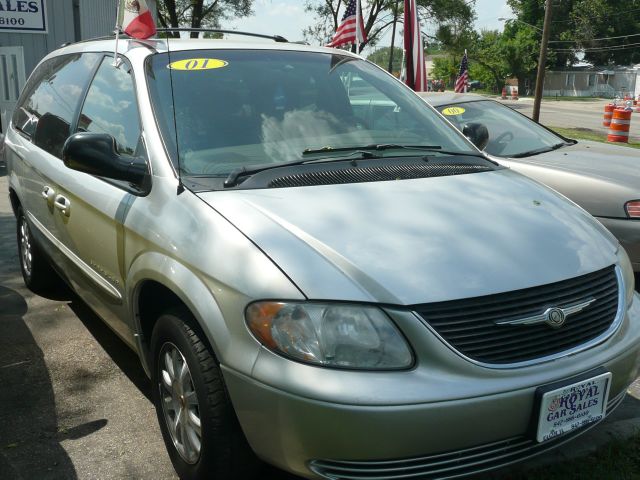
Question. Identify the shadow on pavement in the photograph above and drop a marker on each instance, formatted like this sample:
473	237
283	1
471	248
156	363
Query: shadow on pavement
125	358
29	437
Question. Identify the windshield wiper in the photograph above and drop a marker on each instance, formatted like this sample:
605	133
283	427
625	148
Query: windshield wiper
364	152
382	146
393	146
538	151
234	176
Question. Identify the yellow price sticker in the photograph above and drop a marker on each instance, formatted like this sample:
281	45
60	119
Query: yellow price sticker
451	111
195	64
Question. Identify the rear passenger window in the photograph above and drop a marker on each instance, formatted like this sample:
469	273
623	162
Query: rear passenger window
111	107
48	107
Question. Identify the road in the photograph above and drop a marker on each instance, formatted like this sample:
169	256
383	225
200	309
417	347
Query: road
75	401
573	114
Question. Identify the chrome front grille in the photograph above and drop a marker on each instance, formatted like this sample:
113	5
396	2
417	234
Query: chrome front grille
471	326
459	463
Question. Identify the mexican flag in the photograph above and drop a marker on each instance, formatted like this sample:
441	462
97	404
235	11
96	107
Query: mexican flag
135	19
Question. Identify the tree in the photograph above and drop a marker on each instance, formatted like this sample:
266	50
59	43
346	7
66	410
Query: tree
200	13
579	24
381	58
519	48
378	16
487	62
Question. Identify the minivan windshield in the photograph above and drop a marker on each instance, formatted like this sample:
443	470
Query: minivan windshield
221	110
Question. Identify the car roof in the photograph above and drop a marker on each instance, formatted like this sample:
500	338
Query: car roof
126	44
448	98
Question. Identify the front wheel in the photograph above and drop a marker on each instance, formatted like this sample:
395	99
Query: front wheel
198	423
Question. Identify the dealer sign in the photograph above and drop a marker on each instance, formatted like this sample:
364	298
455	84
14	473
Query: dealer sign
23	16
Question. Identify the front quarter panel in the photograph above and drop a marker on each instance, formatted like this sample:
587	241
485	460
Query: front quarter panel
185	245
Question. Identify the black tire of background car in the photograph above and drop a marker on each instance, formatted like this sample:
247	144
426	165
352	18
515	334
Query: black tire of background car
43	278
225	452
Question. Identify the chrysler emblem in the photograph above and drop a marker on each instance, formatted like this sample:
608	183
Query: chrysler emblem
555	317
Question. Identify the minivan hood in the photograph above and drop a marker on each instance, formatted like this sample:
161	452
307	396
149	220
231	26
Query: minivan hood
418	241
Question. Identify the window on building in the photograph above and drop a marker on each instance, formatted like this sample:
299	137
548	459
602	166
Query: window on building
111	107
51	99
592	80
570	80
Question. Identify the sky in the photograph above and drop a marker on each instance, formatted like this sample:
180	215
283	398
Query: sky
288	18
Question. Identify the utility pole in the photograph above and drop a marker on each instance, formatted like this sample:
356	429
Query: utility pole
542	61
393	37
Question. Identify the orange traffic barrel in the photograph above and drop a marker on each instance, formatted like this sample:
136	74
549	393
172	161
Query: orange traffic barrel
608	114
619	128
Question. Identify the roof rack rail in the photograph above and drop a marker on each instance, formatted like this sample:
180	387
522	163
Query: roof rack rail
276	38
123	36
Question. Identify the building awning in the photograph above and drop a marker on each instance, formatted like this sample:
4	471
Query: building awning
607	72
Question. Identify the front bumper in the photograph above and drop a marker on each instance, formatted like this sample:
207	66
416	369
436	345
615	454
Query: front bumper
317	422
628	234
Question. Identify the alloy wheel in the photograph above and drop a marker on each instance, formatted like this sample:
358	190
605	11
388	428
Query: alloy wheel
179	403
26	252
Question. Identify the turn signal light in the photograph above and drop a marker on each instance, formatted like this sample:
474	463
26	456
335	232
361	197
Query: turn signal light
633	208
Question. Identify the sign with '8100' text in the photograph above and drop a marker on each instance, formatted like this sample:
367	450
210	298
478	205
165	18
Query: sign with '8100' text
23	16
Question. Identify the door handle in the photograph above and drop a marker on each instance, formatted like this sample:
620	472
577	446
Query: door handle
62	204
48	194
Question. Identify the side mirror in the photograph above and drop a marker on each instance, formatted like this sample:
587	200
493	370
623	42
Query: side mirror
96	154
477	133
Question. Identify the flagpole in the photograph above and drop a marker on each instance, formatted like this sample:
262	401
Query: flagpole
358	17
116	62
465	83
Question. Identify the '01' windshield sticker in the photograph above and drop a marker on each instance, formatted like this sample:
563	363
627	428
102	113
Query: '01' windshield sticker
195	64
452	111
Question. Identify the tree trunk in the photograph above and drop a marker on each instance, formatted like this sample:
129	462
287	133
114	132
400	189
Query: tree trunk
196	16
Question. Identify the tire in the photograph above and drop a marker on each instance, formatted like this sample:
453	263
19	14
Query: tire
37	273
223	450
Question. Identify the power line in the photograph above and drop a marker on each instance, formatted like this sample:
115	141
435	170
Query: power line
606	15
595	39
599	49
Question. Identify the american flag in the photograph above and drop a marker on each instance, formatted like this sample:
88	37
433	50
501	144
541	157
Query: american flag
415	73
463	75
351	30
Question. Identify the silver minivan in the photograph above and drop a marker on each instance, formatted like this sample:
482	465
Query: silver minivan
315	268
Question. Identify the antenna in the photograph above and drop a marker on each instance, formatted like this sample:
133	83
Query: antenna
175	123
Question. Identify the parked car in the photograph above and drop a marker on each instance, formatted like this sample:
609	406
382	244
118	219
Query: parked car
341	291
475	85
603	179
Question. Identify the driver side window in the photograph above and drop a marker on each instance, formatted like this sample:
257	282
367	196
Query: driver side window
373	108
110	107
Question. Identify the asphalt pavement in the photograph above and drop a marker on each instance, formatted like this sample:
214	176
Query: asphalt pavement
573	114
75	403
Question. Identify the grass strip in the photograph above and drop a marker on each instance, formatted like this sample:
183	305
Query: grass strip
593	135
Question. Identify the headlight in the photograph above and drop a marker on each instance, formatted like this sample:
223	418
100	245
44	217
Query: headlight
627	274
342	336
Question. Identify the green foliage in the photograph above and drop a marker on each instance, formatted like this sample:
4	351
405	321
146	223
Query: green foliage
379	16
578	23
487	60
445	68
200	13
381	58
